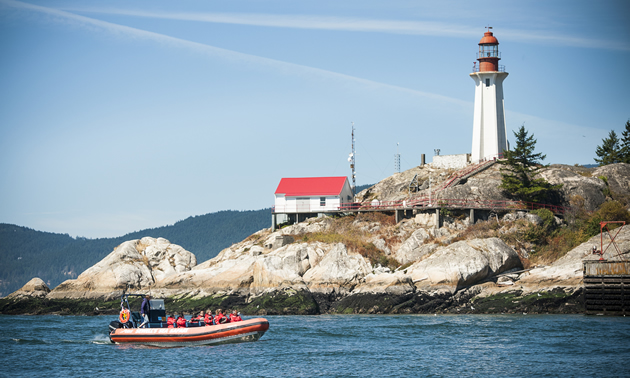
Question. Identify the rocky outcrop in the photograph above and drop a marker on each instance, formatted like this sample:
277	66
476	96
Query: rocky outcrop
335	276
135	264
586	183
415	248
575	184
337	271
35	288
566	272
475	189
462	264
617	177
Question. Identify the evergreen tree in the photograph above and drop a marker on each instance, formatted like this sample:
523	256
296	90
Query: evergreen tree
518	178
625	144
609	152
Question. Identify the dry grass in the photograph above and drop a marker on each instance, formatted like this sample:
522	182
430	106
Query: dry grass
558	245
354	241
342	230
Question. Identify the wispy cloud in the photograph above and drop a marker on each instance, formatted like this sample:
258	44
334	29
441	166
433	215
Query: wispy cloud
247	59
217	52
427	28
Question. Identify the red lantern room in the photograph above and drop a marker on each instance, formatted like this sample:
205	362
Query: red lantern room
488	56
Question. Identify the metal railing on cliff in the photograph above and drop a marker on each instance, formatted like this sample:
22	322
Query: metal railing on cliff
426	202
429	201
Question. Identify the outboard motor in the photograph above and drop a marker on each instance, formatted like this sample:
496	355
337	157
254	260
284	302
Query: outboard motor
114	325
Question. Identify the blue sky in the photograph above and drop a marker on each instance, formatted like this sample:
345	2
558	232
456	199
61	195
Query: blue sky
117	116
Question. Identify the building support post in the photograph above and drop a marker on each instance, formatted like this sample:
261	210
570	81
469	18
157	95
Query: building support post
438	220
274	222
471	219
398	215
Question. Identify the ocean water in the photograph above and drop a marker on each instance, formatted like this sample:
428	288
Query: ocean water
333	346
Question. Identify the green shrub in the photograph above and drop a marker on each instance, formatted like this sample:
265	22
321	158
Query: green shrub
547	217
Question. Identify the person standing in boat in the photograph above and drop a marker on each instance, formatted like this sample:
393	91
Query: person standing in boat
144	310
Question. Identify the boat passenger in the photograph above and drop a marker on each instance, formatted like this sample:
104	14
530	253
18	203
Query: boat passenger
235	317
181	321
208	318
144	310
170	321
220	318
193	318
198	319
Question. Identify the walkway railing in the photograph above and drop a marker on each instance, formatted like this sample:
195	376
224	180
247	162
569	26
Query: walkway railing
425	202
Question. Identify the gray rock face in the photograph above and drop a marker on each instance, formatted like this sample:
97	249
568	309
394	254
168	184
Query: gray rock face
589	188
382	246
617	175
425	219
475	189
531	218
338	270
414	248
33	288
567	271
462	264
394	284
135	264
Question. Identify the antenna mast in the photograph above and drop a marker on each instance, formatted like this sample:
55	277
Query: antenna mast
397	160
351	160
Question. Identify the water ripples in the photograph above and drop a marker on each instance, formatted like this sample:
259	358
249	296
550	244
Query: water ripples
335	346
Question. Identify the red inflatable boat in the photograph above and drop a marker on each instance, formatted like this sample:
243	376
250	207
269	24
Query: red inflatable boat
157	333
246	330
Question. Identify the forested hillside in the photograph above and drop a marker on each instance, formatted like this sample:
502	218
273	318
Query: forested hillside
26	253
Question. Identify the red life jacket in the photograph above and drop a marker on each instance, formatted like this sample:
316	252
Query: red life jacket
235	318
170	321
181	322
218	319
208	319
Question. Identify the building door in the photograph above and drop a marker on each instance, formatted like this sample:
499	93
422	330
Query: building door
303	204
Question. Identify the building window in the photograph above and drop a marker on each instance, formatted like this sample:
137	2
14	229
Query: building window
322	201
487	82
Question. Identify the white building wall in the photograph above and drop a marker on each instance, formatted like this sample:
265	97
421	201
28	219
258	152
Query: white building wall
281	204
450	161
489	135
311	204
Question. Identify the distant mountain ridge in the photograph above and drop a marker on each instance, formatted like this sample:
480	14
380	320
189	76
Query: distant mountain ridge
27	253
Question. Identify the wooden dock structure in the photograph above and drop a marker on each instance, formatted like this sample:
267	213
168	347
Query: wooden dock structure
607	287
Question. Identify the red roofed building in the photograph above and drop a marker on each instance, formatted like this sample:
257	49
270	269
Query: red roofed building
302	195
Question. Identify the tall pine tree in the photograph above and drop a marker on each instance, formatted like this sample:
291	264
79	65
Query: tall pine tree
608	152
624	149
522	166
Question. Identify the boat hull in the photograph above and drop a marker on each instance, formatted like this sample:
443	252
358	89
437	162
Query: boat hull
237	332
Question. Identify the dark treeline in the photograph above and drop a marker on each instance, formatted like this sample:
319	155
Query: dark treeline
26	253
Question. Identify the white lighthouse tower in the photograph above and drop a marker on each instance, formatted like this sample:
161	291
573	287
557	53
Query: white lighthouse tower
489	136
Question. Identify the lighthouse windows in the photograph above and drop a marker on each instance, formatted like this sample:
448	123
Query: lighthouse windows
487	82
489	51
